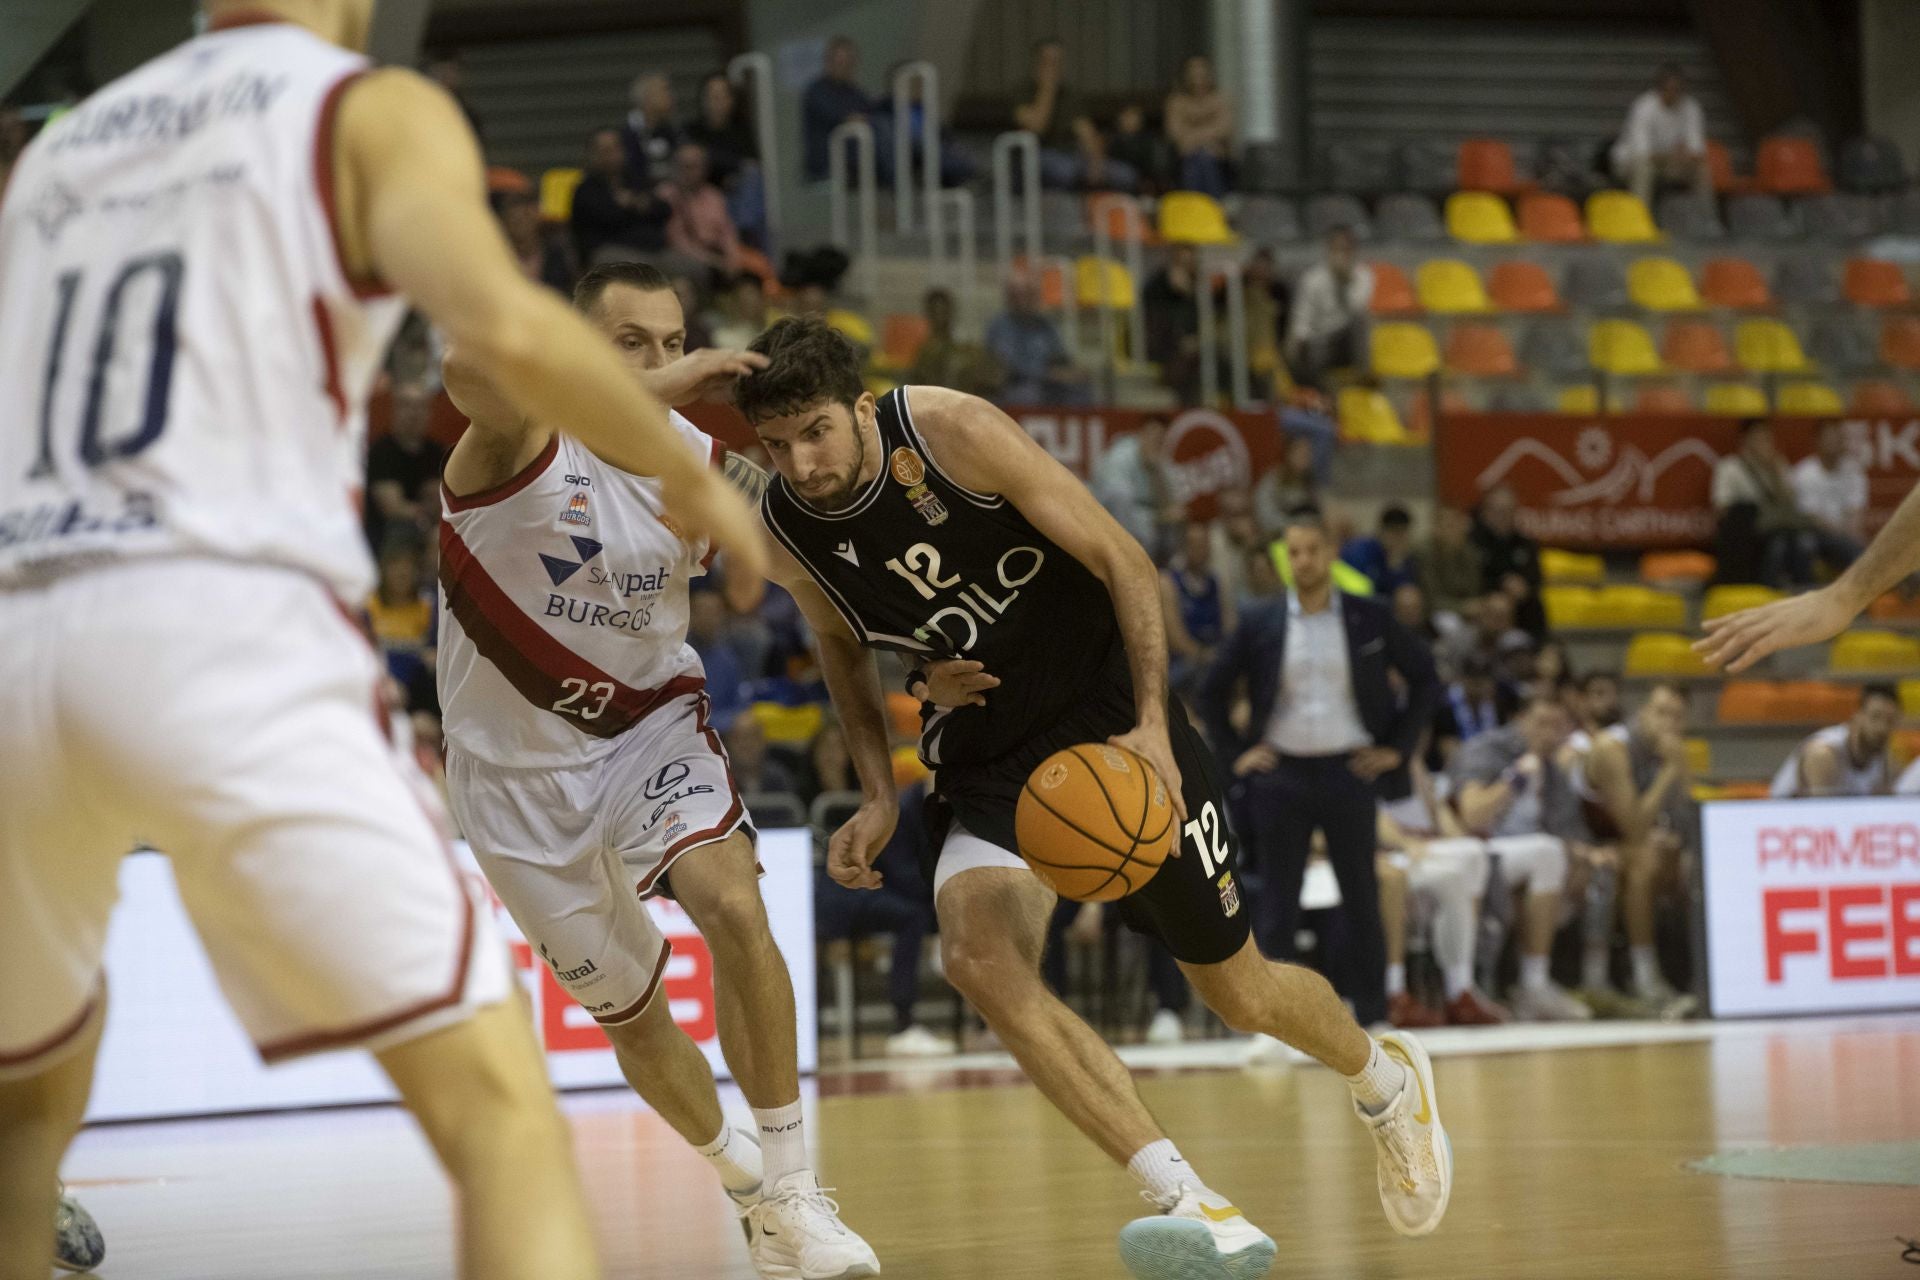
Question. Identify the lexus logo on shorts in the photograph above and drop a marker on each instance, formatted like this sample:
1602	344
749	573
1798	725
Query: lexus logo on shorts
666	780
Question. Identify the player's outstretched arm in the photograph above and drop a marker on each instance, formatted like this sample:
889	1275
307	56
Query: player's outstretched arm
412	212
1739	640
985	450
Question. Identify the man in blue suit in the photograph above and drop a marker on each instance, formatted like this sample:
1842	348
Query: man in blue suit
1338	695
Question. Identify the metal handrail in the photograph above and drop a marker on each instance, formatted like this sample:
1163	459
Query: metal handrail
1004	146
961	202
1240	374
758	68
1135	255
867	256
903	199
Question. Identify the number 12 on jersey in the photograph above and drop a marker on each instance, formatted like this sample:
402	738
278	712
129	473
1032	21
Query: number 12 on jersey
1209	836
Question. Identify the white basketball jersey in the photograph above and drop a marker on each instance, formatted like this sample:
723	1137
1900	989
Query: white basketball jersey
183	360
563	600
1855	780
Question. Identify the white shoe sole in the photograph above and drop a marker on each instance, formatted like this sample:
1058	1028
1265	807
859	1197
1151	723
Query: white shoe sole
1182	1249
858	1271
1443	1150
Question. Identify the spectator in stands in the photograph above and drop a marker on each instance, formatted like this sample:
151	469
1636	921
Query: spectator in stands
1387	557
1599	702
1139	148
1753	494
611	218
547	259
650	135
733	155
1033	358
740	314
726	674
1488	622
1848	759
945	361
1517	657
835	98
755	770
1327	327
1199	122
1072	152
957	164
1450	565
403	471
401	613
1509	559
1410	611
1132	483
1171	299
829	766
1289	485
1198	610
1664	141
1553	673
1512	792
1266	299
1475	703
1830	486
699	227
446	68
1235	535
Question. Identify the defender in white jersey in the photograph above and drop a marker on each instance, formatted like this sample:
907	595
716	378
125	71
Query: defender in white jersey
196	269
585	772
1846	759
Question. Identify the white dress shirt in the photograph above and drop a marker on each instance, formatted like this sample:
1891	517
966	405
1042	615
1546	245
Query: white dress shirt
1315	714
1321	308
1655	129
1835	498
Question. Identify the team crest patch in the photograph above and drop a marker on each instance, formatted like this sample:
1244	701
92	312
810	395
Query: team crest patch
1116	759
907	467
1053	777
928	504
1229	895
576	512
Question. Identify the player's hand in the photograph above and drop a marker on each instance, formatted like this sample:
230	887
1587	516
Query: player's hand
958	682
1369	763
1259	758
703	505
852	849
707	374
1741	639
1150	743
1673	750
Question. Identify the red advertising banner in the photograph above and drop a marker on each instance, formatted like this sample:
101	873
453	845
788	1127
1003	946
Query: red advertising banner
1210	450
1639	481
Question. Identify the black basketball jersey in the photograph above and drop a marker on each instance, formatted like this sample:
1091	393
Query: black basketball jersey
919	565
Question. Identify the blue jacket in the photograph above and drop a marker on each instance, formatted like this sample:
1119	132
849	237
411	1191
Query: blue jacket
1376	646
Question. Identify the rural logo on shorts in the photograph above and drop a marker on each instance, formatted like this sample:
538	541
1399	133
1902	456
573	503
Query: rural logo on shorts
1229	895
1053	777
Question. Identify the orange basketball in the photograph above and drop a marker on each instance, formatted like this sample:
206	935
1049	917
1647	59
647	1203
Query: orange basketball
1094	822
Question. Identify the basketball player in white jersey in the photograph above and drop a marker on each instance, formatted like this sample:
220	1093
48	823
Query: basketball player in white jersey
585	774
1845	759
200	268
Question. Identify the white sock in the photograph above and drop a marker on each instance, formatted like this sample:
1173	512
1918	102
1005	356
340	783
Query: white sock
1533	972
1160	1169
1379	1082
1457	977
735	1158
1396	979
783	1143
1593	968
1646	967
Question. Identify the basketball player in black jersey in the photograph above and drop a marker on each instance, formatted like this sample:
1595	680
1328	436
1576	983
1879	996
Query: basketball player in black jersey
928	523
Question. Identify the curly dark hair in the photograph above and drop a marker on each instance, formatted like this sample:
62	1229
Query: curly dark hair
808	363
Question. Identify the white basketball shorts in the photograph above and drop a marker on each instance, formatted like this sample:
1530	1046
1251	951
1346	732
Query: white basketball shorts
573	853
226	714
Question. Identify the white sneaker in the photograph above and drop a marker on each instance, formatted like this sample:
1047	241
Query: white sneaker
1415	1157
1198	1236
77	1243
918	1042
1166	1028
794	1232
1264	1050
1668	1005
1548	1003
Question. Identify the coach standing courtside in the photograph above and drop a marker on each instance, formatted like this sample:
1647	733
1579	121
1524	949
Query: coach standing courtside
1326	727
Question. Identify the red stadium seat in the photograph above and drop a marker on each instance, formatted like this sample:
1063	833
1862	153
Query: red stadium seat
1873	283
1734	282
1392	291
1486	164
1879	396
1790	166
1481	351
1522	286
1661	397
1551	218
1697	346
1900	342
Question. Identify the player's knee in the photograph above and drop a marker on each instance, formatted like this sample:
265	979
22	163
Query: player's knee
990	975
1243	1010
731	914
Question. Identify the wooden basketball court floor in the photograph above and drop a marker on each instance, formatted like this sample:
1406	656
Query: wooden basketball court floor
1573	1145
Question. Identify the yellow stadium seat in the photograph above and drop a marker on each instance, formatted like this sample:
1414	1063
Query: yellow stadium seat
791	726
1733	597
1768	346
1662	653
1738	399
1875	651
1910	697
1451	287
1661	284
1632	605
1560	565
1619	217
1699	756
1813	398
556	193
1367	416
856	327
1568	606
1622	347
1584	398
1088	278
1706	792
1402	350
1191	217
1480	217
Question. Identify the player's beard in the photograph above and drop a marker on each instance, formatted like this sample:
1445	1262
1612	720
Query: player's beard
842	498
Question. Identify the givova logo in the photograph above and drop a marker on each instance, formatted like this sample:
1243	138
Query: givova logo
560	570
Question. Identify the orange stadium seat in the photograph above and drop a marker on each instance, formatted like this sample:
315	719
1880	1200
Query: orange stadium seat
1900	342
1392	291
503	180
1662	653
1486	164
1720	165
1790	166
1755	790
1126	220
901	335
1420	415
1879	396
1893	607
1522	286
1870	282
1550	218
1481	351
1736	283
1751	702
1661	397
1696	346
1676	568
